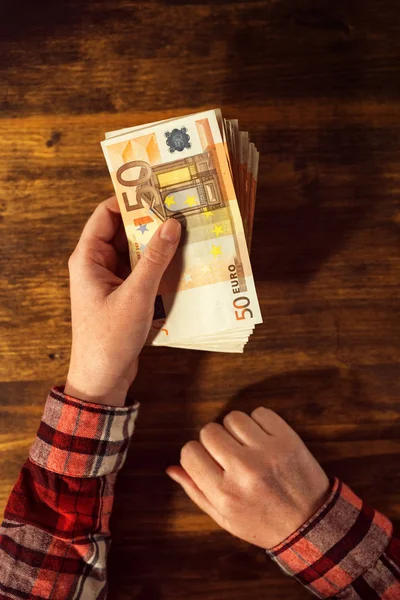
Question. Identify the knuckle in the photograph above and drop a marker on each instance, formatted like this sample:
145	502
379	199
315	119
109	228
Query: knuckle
155	256
103	203
78	257
233	417
73	260
209	429
101	206
261	411
188	449
209	426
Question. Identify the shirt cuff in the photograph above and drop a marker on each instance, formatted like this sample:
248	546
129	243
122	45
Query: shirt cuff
82	439
336	546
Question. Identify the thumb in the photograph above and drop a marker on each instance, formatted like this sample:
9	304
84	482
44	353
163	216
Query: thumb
144	280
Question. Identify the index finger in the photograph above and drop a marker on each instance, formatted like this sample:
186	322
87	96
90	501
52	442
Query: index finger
104	222
202	468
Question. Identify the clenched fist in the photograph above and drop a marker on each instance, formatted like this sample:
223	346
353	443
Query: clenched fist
254	476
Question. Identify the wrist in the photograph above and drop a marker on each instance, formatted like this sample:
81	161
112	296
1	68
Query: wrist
87	387
306	505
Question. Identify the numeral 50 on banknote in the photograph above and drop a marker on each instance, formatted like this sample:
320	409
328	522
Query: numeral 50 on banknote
243	309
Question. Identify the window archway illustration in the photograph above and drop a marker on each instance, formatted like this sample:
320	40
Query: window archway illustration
181	188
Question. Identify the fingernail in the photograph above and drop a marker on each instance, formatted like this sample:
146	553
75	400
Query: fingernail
170	231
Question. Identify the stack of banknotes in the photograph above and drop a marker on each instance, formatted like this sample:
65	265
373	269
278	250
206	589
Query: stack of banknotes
201	170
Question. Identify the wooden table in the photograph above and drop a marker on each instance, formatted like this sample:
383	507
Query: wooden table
317	85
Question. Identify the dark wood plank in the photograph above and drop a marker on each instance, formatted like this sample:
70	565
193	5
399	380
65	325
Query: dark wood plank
317	85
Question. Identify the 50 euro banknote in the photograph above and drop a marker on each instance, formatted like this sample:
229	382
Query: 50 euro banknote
180	168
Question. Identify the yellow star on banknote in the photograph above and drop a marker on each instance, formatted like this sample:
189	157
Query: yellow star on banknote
216	251
190	201
218	229
208	214
169	201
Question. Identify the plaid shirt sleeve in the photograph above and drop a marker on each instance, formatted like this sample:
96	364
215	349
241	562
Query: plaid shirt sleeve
55	535
346	551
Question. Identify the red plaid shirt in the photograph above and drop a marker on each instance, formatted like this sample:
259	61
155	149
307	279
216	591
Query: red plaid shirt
55	535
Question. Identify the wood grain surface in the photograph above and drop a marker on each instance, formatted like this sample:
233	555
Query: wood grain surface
317	85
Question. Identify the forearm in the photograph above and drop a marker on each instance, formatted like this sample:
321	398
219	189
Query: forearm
55	535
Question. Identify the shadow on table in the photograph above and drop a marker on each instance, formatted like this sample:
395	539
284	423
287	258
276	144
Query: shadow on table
343	418
166	389
22	18
308	399
320	175
293	241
